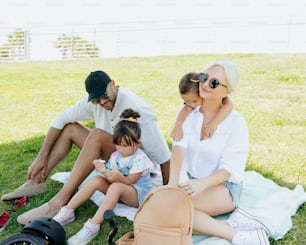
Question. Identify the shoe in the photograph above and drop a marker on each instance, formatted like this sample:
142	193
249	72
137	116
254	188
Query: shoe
255	237
25	190
4	219
85	235
43	211
65	216
18	203
242	220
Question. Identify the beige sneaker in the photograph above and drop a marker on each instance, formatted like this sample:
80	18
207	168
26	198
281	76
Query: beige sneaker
43	211
24	190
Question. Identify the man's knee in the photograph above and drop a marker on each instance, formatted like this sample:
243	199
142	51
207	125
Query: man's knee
103	138
73	129
96	132
75	133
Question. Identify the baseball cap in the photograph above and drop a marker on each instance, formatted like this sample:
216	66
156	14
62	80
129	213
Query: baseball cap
96	83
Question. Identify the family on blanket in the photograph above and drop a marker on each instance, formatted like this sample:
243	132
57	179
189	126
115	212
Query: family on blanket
208	158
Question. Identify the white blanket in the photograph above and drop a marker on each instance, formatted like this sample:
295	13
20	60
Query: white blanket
262	197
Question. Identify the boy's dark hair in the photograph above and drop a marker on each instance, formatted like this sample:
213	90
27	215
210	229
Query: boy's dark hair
127	129
186	85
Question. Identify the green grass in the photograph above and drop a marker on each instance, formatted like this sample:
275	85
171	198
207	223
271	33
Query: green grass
271	97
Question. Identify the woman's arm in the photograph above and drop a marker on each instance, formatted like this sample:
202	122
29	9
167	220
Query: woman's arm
196	186
176	161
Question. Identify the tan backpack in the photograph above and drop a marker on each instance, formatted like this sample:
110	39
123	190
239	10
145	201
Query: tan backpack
164	217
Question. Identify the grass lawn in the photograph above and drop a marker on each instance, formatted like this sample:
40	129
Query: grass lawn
271	97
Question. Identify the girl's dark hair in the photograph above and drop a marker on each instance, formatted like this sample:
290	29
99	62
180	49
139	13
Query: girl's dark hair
186	85
127	129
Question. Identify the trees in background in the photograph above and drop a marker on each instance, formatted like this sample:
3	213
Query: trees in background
14	46
76	47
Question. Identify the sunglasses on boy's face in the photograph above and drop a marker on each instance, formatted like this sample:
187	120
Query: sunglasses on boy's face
212	83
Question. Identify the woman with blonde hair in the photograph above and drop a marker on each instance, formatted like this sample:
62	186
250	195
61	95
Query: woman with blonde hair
211	170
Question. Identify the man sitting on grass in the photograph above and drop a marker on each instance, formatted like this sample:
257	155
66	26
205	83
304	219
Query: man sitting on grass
104	104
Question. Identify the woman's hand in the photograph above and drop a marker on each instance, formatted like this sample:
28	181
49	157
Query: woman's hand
192	187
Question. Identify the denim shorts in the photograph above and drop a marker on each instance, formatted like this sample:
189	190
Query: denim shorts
234	190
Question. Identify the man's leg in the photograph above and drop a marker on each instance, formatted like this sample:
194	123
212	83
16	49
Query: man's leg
165	169
98	144
73	133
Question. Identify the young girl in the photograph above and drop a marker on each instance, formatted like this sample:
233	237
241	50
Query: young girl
189	91
124	178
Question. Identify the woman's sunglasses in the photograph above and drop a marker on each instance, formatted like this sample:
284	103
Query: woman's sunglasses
212	83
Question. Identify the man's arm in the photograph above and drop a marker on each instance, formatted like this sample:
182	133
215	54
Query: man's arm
80	112
40	163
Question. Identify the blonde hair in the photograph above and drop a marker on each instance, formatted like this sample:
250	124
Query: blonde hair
231	73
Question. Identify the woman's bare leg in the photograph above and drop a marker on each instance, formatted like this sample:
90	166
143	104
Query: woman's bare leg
212	202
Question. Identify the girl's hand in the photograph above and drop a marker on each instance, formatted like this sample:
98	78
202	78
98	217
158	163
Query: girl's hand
209	130
177	132
100	165
113	176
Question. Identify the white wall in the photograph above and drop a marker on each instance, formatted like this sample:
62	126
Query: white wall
163	27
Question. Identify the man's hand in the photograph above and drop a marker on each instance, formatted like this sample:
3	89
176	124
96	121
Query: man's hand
38	167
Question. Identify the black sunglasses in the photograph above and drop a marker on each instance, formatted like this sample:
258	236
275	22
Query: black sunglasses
212	83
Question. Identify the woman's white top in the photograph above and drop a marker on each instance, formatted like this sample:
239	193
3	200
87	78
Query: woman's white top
227	149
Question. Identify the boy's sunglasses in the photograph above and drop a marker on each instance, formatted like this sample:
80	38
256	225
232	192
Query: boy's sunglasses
212	83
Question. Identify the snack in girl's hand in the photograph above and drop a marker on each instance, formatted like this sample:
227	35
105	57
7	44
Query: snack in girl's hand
100	165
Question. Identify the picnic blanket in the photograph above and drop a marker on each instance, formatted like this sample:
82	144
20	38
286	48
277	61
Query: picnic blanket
274	204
